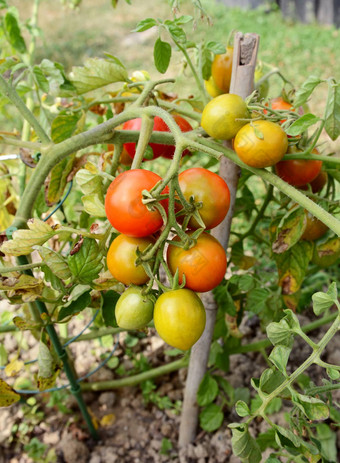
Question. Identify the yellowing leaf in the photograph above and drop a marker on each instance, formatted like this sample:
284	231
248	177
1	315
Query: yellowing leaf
108	420
54	261
24	240
23	325
14	367
7	395
25	287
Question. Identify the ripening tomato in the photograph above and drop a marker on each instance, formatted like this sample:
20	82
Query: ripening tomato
224	116
179	318
315	229
298	172
158	126
318	183
121	259
261	144
124	207
204	265
210	189
221	69
133	310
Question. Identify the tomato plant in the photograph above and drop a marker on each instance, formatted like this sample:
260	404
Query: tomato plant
298	172
124	207
261	144
204	265
224	116
121	259
159	125
179	318
207	188
133	310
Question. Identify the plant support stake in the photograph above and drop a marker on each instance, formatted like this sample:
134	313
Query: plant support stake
242	83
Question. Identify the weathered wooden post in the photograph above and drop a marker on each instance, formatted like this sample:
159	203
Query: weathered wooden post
242	83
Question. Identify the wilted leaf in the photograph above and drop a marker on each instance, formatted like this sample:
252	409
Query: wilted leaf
24	287
327	253
7	395
24	325
290	230
108	420
24	240
14	367
314	409
97	73
292	266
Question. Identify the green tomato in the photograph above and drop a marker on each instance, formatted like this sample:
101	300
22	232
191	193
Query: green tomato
133	310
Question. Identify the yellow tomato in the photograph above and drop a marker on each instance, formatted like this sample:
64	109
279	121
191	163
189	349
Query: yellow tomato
261	144
179	318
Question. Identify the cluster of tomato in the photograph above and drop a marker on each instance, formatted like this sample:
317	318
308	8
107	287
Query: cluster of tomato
258	142
178	314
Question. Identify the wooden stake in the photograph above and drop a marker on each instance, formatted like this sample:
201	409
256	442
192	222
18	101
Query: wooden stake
242	83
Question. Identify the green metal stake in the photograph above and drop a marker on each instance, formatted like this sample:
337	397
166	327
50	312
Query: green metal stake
62	354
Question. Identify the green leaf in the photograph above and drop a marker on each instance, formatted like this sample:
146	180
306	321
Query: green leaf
145	24
289	230
41	79
166	446
96	74
323	301
267	439
224	300
244	446
256	300
302	124
280	333
206	64
86	264
94	205
13	33
327	439
211	417
272	460
110	299
279	357
54	261
215	47
292	266
162	55
54	74
207	391
56	282
270	380
284	437
246	282
184	19
242	408
314	409
177	33
306	90
75	306
7	395
332	114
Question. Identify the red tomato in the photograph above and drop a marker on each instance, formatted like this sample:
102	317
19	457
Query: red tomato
318	183
298	172
315	229
123	203
204	265
158	126
279	104
210	189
